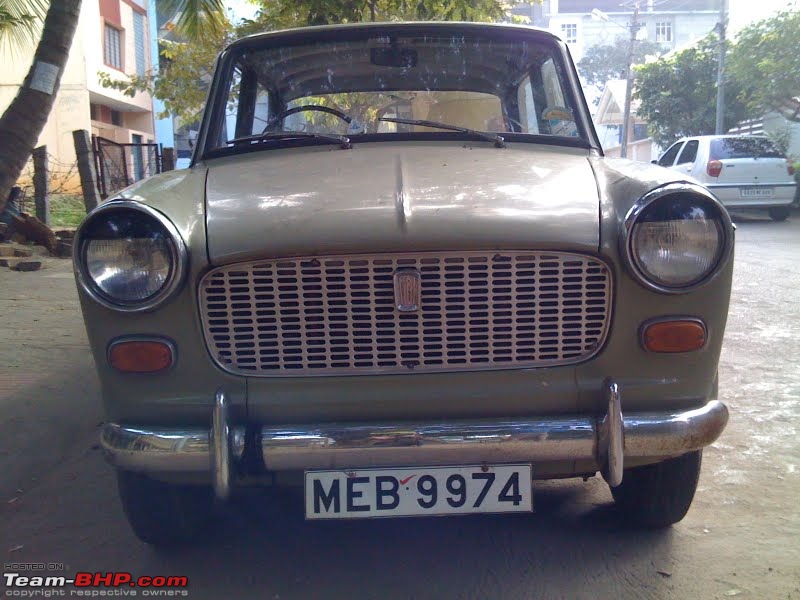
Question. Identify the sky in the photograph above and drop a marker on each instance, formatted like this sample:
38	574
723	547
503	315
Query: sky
241	9
744	12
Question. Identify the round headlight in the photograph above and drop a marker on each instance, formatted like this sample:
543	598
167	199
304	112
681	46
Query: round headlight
677	237
129	256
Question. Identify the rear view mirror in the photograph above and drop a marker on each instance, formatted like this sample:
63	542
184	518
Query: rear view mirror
394	56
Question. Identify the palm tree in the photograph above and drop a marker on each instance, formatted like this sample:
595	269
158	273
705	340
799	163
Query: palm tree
23	120
26	116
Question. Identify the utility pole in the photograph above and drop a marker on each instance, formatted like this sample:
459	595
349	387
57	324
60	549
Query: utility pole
626	119
723	19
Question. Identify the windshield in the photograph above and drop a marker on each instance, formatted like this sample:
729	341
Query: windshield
743	147
355	87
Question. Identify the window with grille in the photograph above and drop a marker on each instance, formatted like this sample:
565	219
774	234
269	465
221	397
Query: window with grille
664	32
112	49
569	32
139	43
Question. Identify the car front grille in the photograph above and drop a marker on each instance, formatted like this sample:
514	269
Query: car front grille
338	315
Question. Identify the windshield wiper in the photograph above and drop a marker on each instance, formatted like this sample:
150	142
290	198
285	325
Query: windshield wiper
342	140
498	140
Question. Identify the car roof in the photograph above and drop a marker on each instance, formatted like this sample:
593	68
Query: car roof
722	136
314	33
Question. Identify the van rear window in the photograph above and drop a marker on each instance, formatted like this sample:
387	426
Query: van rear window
743	148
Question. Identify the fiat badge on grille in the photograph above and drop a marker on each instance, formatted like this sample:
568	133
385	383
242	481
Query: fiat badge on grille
407	290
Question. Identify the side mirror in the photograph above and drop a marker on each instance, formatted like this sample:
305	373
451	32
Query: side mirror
654	162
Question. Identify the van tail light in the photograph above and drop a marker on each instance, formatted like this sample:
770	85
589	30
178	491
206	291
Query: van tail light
790	168
714	168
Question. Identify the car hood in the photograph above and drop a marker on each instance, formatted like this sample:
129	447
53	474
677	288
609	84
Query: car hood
395	197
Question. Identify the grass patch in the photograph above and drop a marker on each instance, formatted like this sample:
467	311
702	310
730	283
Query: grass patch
66	210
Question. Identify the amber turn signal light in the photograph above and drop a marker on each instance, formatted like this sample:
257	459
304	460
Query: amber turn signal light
140	356
674	336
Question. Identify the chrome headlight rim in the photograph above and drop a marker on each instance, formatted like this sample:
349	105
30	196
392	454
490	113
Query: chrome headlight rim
177	249
654	196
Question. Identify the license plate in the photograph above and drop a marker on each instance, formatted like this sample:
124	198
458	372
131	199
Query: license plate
405	492
756	192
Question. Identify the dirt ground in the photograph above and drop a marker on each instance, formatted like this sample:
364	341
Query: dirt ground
741	538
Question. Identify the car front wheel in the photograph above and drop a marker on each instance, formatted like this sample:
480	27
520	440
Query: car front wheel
162	513
779	214
659	495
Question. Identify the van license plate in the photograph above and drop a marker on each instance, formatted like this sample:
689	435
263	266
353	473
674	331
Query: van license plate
405	492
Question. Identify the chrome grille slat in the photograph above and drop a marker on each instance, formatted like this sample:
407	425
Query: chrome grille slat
336	315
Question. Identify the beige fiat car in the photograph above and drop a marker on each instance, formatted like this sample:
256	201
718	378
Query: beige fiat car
400	275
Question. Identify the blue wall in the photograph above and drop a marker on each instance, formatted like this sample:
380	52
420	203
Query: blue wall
163	127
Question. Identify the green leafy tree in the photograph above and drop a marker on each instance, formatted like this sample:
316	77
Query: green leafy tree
678	95
601	64
765	65
287	13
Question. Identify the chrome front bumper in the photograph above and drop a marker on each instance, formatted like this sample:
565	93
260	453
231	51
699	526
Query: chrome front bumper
608	440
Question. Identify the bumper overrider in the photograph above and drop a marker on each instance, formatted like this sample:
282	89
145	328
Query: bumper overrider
607	439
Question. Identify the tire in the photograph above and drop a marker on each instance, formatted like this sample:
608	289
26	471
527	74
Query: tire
164	514
779	214
659	495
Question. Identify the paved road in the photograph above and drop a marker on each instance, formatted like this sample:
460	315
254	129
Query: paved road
741	539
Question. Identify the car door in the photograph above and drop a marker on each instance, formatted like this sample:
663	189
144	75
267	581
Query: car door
685	162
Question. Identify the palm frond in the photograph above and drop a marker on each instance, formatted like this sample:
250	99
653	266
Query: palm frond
19	22
196	19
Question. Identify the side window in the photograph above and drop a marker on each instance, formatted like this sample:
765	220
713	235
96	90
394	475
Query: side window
247	110
669	155
527	107
557	116
261	110
689	152
552	85
228	125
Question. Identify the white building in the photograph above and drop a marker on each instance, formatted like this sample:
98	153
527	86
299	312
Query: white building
672	23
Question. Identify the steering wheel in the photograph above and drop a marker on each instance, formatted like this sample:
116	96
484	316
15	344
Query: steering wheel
296	109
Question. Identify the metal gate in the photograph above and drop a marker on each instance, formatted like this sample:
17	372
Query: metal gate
120	165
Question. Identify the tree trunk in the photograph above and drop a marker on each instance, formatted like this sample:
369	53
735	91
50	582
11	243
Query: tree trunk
26	116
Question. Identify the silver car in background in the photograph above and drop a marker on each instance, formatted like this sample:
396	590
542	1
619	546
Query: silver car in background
742	171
